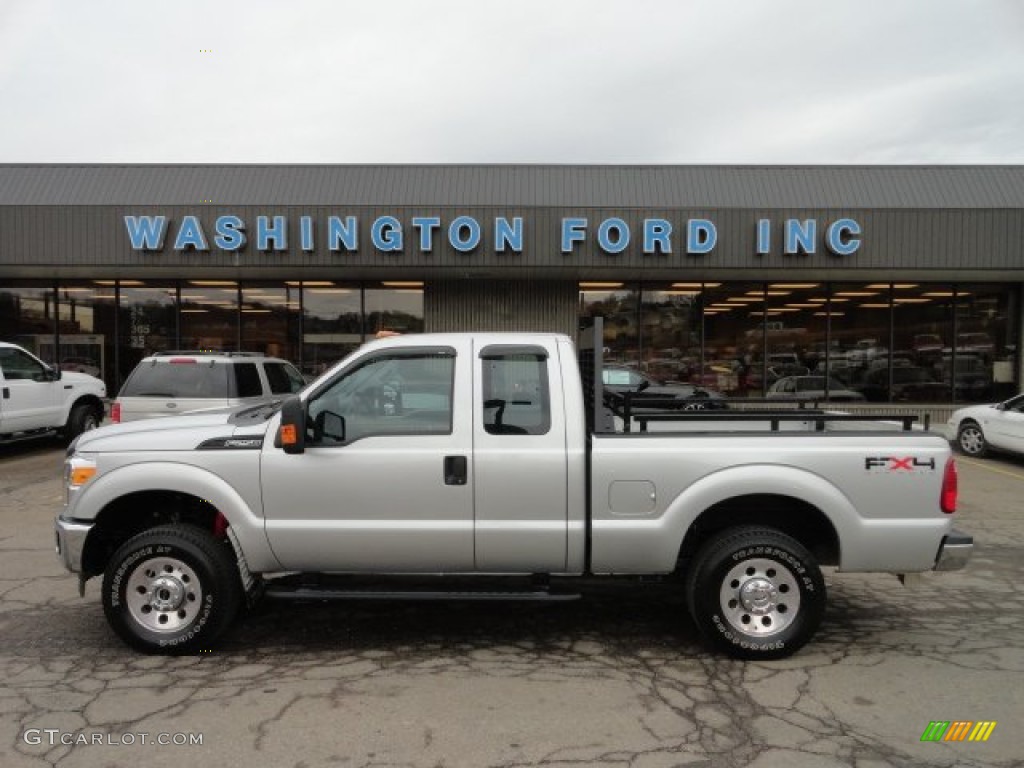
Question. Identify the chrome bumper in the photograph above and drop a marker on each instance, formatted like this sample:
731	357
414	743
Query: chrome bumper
71	542
954	551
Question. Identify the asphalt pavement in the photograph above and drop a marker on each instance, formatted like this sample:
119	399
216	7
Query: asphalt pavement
617	679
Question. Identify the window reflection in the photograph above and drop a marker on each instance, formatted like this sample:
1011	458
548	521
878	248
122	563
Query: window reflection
88	343
270	319
28	317
331	323
209	315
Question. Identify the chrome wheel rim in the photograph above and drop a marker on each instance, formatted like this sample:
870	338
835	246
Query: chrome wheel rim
759	597
971	440
164	595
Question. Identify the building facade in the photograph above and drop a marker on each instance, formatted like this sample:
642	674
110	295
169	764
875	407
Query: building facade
903	283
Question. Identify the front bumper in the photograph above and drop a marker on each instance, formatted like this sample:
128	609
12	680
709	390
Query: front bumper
954	551
71	542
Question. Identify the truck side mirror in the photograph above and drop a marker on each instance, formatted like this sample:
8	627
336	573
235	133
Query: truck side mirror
291	435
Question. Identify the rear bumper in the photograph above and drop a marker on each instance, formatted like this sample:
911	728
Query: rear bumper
954	551
71	542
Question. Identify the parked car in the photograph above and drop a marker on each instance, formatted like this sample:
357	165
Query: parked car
38	400
622	379
909	384
812	388
172	383
979	428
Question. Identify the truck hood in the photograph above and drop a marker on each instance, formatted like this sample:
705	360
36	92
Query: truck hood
173	433
84	381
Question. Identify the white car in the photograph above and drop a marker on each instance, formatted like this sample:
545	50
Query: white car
978	428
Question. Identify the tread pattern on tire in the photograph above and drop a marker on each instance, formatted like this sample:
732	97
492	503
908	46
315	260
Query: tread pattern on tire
226	585
752	535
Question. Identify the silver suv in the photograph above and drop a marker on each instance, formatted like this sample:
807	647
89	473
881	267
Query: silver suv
171	383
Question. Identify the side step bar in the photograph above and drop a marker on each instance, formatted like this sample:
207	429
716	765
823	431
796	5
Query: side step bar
317	593
311	586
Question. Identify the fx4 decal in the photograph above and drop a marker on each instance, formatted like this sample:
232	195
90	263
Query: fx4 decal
898	464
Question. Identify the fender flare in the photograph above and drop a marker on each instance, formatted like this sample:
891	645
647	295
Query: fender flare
757	479
181	477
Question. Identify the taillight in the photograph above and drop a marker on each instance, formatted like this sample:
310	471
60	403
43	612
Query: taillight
949	488
115	413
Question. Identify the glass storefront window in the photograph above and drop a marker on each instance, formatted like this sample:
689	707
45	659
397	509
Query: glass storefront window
617	304
88	342
270	319
147	322
28	317
734	339
209	315
796	341
986	343
332	324
395	306
670	329
860	318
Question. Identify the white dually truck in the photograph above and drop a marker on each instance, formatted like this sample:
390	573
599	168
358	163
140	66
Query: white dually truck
429	461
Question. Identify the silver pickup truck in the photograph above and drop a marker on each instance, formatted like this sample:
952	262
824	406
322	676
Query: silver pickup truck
492	456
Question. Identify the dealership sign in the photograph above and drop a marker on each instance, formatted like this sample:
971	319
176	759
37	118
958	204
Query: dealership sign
465	234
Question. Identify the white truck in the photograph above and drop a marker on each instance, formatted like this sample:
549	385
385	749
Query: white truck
38	400
427	461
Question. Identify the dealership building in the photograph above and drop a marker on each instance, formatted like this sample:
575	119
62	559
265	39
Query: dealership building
902	282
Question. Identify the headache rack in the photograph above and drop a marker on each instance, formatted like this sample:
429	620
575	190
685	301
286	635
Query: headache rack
604	405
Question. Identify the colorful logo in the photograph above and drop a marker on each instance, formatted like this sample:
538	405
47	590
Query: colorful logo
958	730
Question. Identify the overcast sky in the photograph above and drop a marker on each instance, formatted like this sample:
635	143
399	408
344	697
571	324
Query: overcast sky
478	81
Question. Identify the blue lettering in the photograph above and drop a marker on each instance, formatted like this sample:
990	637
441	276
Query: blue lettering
657	236
386	234
764	237
508	235
610	243
342	234
265	233
426	225
191	234
573	231
230	233
306	233
146	233
843	237
800	236
701	236
468	225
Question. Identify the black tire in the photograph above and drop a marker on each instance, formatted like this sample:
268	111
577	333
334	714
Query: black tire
172	590
755	593
970	440
82	418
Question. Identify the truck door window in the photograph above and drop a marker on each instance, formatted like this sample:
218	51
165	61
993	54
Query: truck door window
405	393
17	365
515	393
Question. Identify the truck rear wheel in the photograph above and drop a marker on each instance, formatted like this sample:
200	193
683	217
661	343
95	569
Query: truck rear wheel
173	589
755	593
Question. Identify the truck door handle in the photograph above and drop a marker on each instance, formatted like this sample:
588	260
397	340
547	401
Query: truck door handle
7	393
455	472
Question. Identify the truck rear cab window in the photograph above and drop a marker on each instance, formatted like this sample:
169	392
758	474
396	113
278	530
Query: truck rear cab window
400	392
516	397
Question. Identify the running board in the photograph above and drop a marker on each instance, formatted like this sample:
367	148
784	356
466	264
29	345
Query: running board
417	587
314	593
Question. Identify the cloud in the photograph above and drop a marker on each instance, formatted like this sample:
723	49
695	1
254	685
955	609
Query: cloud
649	81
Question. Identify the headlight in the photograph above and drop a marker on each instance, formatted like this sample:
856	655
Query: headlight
78	470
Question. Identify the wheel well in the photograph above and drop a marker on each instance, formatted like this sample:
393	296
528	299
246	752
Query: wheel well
135	512
92	401
794	517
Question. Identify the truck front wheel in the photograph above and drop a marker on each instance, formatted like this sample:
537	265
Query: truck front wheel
755	593
173	589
